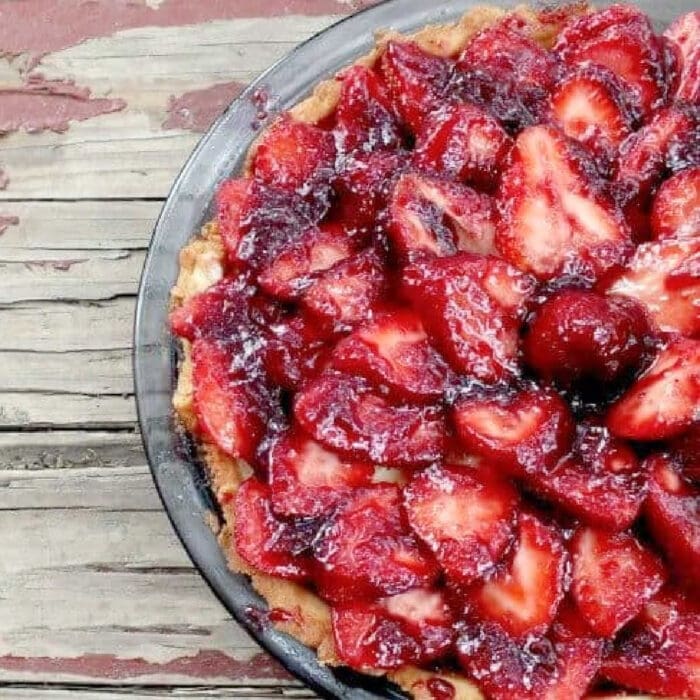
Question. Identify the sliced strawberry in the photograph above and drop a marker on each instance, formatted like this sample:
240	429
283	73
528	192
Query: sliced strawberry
437	217
462	141
538	669
684	35
621	39
601	481
613	576
215	313
343	295
234	200
231	402
364	184
365	550
408	628
665	278
524	595
417	80
518	431
676	210
294	155
590	105
295	268
505	71
266	543
307	480
686	449
582	335
347	415
393	350
465	517
470	305
664	402
661	652
551	180
672	511
364	116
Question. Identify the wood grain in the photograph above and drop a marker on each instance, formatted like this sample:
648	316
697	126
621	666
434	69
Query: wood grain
140	693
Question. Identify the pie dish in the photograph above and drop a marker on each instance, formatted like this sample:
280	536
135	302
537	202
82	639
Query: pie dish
428	457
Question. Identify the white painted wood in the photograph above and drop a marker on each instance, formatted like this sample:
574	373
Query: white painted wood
73	693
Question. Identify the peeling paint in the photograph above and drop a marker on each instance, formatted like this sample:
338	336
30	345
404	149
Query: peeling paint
6	221
4	179
196	110
57	265
41	104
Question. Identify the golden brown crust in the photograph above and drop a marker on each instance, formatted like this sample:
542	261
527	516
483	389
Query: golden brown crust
201	265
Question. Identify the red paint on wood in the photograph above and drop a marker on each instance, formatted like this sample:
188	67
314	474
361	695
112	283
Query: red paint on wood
57	265
50	104
205	664
4	179
196	110
6	221
41	26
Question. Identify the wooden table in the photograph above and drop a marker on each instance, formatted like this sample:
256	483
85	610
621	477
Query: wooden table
100	104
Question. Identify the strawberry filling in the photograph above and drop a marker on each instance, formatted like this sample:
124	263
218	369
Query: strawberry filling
456	335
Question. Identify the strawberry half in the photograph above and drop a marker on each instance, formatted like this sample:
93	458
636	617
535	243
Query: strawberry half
409	628
684	35
664	401
541	668
518	431
266	543
346	414
416	80
661	652
686	449
465	516
672	515
365	550
429	216
393	350
613	576
343	295
294	155
524	595
232	403
564	341
601	481
676	210
621	39
550	179
307	480
462	141
296	266
470	305
665	278
364	117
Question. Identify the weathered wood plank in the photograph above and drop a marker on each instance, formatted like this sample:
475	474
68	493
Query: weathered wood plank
108	594
68	449
140	693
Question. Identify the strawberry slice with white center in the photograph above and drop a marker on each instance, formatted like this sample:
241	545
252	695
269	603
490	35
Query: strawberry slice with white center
232	403
555	216
462	141
266	543
613	576
307	480
676	210
294	269
464	515
429	216
684	35
348	415
660	653
673	515
665	401
417	80
518	431
366	550
665	278
409	628
393	350
524	595
470	306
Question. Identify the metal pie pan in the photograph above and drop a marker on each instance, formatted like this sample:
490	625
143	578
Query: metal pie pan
178	476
